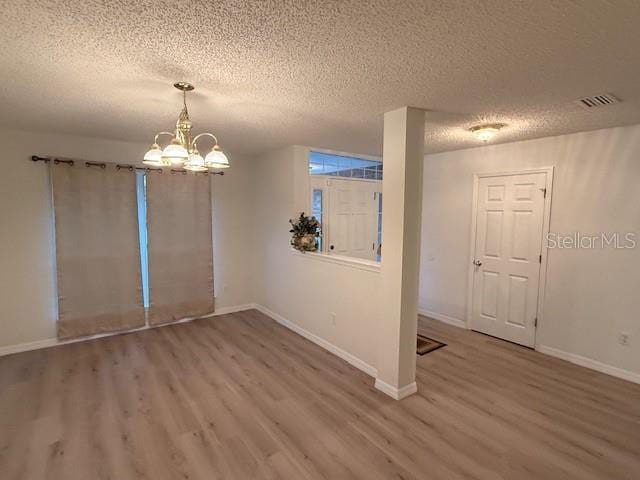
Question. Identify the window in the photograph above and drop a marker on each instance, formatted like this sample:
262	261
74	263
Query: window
345	197
379	249
317	211
344	166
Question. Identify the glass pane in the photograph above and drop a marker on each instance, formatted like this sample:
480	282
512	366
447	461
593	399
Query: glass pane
379	251
344	166
141	193
358	172
315	167
317	203
330	164
379	171
317	211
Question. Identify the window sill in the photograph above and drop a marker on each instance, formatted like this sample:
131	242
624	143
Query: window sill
357	263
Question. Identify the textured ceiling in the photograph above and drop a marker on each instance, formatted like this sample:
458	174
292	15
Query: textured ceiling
321	73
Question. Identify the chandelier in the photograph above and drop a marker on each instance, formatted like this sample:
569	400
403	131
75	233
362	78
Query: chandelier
183	149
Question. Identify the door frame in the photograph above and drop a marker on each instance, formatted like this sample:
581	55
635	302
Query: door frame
546	220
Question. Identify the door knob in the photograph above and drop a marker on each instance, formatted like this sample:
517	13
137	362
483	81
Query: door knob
477	263
331	247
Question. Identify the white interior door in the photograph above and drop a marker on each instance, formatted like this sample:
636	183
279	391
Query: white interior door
508	248
352	218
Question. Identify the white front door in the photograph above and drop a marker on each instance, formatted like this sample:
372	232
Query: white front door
352	218
508	247
340	207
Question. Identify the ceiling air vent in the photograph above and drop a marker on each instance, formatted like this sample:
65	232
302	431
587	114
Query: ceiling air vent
597	101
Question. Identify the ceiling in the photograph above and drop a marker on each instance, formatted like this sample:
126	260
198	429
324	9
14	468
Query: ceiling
319	73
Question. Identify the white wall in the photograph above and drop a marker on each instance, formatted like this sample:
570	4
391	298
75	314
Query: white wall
591	295
302	288
234	236
27	289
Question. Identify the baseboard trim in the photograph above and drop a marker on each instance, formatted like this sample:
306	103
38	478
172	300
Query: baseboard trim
25	347
554	352
456	322
396	393
54	342
232	309
337	351
590	363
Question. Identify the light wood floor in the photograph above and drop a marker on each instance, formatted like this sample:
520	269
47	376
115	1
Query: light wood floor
240	397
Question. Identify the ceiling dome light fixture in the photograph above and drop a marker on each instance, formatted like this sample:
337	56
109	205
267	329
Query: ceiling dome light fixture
486	132
182	150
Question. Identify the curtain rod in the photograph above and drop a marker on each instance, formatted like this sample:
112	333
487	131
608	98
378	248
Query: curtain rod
131	168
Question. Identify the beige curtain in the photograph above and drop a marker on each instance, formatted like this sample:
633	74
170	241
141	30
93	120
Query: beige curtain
97	250
179	246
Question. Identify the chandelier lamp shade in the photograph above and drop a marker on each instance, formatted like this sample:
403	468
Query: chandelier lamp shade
182	150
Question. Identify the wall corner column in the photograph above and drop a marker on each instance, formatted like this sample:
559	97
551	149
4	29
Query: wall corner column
403	158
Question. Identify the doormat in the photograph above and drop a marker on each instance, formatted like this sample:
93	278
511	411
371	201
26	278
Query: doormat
425	345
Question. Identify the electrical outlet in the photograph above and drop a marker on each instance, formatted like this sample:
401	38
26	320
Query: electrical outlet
623	338
333	318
